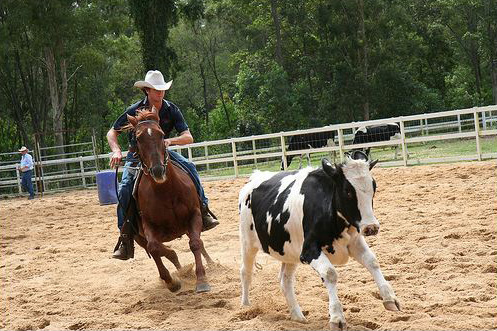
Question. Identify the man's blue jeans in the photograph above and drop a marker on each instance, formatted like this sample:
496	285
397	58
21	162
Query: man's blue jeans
128	181
26	182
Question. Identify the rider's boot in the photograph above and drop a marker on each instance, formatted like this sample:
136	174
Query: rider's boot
209	220
125	248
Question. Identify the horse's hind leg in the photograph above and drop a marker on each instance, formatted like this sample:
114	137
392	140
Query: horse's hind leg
206	256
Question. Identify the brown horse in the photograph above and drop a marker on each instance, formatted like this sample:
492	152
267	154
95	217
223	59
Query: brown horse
168	203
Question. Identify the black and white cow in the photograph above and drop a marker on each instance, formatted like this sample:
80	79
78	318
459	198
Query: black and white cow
316	217
382	132
307	141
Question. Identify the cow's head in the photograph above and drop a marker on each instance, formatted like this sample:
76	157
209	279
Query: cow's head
355	188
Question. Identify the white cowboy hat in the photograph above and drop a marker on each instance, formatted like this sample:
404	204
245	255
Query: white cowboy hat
23	148
155	80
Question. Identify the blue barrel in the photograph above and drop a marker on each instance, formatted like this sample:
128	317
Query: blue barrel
106	185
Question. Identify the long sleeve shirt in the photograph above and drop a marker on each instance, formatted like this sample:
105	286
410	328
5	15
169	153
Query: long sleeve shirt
26	162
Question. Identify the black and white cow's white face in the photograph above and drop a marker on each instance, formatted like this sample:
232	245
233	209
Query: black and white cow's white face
355	189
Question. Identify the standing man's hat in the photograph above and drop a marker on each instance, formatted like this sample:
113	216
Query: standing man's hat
23	148
155	80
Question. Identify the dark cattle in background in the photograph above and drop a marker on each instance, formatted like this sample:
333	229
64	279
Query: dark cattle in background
370	134
316	217
307	141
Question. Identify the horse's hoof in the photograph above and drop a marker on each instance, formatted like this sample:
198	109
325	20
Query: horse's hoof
174	286
391	305
204	287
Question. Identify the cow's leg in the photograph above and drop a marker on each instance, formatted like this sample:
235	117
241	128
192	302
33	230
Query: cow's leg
361	252
329	276
197	246
287	279
156	249
248	260
248	238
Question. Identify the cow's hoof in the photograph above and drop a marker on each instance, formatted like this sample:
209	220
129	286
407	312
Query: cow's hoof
340	326
174	286
203	287
300	319
391	305
296	315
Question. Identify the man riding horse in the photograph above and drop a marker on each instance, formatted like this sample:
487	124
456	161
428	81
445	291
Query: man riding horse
171	118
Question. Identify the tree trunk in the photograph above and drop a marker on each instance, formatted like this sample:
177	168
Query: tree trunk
364	61
204	93
490	11
277	30
58	97
494	81
473	53
212	63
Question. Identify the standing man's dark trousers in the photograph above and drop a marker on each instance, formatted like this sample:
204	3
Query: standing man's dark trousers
27	184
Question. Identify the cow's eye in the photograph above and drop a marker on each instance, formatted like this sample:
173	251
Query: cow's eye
349	195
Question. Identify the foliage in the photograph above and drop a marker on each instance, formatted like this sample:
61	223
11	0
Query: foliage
241	67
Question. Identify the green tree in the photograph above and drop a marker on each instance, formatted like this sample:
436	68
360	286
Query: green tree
154	19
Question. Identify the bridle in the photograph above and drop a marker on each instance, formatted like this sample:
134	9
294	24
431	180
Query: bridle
145	168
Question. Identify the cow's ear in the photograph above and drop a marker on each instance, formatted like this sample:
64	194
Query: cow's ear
372	164
132	120
329	168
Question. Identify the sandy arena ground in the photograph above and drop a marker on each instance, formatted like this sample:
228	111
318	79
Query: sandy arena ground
437	246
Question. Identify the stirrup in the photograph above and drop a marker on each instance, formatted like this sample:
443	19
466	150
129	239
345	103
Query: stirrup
125	248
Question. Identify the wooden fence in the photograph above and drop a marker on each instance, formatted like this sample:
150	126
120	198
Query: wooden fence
240	156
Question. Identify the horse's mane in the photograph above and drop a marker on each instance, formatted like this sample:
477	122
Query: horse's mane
143	114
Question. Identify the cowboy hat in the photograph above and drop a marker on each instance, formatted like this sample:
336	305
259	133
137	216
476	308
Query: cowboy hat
23	148
155	80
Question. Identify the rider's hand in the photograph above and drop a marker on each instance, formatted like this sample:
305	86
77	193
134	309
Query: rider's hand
167	143
115	159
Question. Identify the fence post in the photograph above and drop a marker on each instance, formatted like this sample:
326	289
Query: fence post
206	152
18	178
340	144
254	150
403	141
94	145
459	122
283	151
43	185
190	156
477	133
82	167
235	162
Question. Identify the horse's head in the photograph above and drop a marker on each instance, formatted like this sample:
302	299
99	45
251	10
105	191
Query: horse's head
150	143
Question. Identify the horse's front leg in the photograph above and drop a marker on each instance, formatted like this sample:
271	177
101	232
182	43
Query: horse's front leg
155	248
197	247
165	251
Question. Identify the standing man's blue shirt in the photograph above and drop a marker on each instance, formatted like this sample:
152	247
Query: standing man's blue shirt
27	161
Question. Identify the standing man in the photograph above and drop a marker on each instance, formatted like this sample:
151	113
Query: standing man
26	169
170	117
